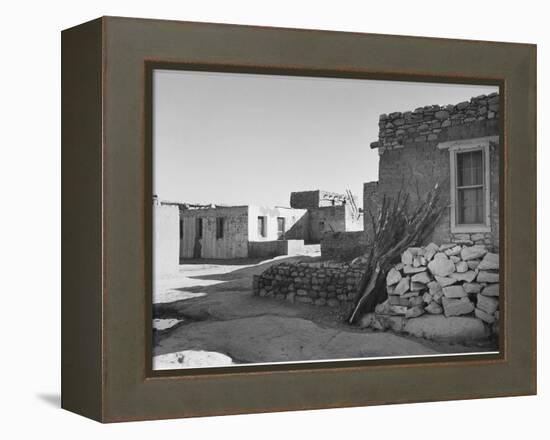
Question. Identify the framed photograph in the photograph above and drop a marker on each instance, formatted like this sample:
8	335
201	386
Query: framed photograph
264	219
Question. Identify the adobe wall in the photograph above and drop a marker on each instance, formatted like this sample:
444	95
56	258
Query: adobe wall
295	223
333	217
165	240
268	249
316	199
234	243
410	159
344	246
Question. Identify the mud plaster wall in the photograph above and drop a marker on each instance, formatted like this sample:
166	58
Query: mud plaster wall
295	222
165	239
343	245
326	219
234	243
410	159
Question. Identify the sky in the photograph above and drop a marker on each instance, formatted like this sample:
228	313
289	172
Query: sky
238	139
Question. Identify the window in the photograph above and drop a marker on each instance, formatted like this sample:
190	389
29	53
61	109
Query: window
470	203
280	228
199	227
262	226
219	227
321	226
181	229
470	184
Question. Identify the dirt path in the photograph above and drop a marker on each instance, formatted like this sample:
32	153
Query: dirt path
218	313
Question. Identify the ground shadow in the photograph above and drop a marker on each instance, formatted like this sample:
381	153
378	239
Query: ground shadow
253	269
52	399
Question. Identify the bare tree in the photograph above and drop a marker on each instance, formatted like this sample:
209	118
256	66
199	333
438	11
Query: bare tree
394	230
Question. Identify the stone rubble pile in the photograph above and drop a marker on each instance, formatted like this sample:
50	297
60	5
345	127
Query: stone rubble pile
322	283
450	280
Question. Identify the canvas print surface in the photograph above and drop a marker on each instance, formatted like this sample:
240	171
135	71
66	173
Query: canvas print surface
304	219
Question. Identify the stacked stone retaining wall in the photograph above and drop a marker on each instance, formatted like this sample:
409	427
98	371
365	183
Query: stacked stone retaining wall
322	284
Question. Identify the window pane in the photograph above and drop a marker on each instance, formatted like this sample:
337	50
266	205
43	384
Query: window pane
470	206
280	227
261	226
469	167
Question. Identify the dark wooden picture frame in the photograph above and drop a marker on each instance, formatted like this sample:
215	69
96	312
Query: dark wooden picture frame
107	230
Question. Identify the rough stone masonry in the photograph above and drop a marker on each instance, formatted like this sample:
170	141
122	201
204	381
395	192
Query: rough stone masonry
448	291
322	283
451	280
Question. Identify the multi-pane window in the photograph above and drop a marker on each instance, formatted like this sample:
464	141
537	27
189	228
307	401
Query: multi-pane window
470	188
262	232
219	227
280	227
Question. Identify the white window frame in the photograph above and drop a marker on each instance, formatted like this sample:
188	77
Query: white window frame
462	146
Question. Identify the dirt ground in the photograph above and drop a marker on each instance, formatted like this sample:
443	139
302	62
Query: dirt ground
213	310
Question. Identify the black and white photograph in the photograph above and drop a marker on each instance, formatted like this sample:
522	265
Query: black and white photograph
307	219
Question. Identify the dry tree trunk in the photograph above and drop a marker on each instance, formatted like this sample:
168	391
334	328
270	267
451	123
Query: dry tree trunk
394	230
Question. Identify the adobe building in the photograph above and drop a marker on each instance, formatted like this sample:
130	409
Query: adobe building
165	244
327	212
223	232
190	231
456	146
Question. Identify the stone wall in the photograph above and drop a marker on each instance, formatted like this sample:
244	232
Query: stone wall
435	123
410	159
343	246
322	284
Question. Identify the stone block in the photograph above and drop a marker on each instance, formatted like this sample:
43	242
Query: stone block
454	292
457	307
393	277
421	277
396	300
407	258
414	312
490	262
412	270
445	281
430	251
488	304
454	251
484	316
472	252
467	276
491	290
472	287
403	286
433	308
454	329
441	265
487	277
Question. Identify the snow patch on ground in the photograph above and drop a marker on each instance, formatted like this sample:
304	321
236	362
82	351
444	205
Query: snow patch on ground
171	295
163	324
190	359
